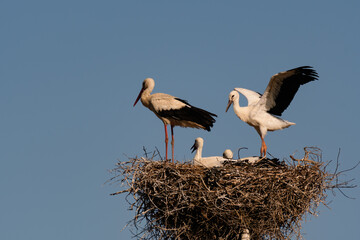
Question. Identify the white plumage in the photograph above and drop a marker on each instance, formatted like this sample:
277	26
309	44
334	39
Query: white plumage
260	111
173	111
250	159
215	161
228	154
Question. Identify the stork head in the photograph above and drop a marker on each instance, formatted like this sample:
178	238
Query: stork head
149	84
233	96
199	142
228	154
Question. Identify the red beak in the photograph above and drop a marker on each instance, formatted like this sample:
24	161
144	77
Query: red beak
229	104
137	99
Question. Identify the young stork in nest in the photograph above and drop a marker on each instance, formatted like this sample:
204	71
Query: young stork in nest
260	111
208	162
173	111
228	154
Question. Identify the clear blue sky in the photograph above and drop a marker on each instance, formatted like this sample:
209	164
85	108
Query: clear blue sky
70	72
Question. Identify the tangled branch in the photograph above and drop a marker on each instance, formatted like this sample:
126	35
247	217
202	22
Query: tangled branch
183	201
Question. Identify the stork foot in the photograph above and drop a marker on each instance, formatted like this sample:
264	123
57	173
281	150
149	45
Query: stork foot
263	149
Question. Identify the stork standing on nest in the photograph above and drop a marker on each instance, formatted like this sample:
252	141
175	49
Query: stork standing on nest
260	111
173	111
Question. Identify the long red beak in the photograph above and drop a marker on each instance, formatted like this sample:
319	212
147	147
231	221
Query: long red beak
137	99
229	104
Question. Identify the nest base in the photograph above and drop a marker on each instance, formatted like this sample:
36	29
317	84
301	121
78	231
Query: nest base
183	201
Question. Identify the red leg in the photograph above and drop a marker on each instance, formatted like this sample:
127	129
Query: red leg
166	142
263	149
172	142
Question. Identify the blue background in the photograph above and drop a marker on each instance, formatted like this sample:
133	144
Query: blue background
70	72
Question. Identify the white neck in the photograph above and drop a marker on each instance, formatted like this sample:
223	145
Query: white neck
241	112
198	154
145	97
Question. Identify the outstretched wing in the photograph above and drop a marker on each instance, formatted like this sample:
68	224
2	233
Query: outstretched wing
251	96
283	87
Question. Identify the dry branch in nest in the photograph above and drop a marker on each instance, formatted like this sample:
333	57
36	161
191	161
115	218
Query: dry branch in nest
183	201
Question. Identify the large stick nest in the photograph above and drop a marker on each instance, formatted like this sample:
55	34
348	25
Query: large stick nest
183	201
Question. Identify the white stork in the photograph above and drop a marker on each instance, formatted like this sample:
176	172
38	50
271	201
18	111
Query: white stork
173	111
253	159
260	111
208	162
228	154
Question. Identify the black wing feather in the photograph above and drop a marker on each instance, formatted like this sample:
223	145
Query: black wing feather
190	113
287	84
